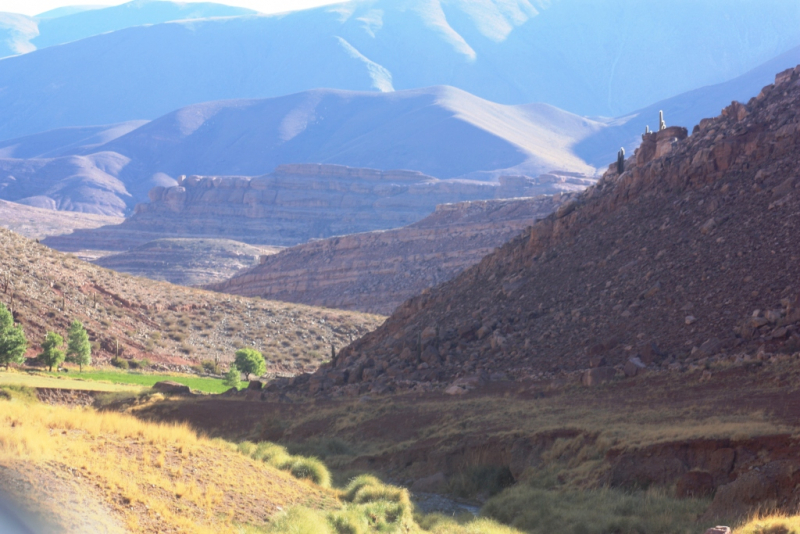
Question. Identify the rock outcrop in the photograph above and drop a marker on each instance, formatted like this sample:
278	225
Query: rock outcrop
688	258
186	262
300	202
377	271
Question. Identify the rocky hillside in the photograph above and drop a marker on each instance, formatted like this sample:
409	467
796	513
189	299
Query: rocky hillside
37	223
301	202
186	262
170	325
377	271
688	257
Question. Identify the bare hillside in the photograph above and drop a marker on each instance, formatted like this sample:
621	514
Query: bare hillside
377	271
689	257
174	325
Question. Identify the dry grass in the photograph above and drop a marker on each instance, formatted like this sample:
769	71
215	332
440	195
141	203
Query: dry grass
770	524
155	477
157	320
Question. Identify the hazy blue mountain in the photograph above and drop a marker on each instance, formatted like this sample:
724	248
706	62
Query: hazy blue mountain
66	10
20	34
440	131
65	141
86	23
687	110
592	58
16	32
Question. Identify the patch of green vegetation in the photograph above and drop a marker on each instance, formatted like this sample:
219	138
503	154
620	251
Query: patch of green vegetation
203	384
370	506
569	511
62	382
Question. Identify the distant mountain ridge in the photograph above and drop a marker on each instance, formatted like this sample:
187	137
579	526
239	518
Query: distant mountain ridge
21	34
600	58
440	131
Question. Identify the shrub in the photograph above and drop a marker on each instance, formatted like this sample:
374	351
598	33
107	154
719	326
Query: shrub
250	361
120	363
232	377
312	469
301	521
51	354
278	457
141	364
209	367
12	339
79	349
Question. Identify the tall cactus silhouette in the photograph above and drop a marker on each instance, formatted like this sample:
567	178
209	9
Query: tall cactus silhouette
661	124
621	161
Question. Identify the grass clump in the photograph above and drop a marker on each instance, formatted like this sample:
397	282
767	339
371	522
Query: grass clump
371	506
299	466
312	469
554	511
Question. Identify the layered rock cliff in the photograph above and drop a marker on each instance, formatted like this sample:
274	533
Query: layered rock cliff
296	203
377	271
688	259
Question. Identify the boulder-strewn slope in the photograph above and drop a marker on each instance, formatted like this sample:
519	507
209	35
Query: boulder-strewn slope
507	51
167	324
186	262
301	202
37	223
377	271
692	253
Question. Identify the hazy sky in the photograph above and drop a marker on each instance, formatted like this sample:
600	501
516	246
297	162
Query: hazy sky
34	7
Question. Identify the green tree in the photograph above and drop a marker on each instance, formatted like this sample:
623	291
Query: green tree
250	361
52	355
232	377
79	349
12	339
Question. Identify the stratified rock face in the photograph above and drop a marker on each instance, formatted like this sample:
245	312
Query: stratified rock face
301	202
186	262
691	255
377	271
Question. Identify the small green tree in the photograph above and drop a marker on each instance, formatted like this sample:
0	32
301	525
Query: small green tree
52	355
232	377
12	339
250	361
79	349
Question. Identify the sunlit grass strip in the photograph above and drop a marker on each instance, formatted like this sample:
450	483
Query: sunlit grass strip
771	524
197	383
165	473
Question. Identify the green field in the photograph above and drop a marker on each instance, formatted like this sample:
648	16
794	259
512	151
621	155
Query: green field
62	382
206	385
99	380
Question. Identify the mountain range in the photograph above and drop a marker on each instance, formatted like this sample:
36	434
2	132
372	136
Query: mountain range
440	131
604	58
20	34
